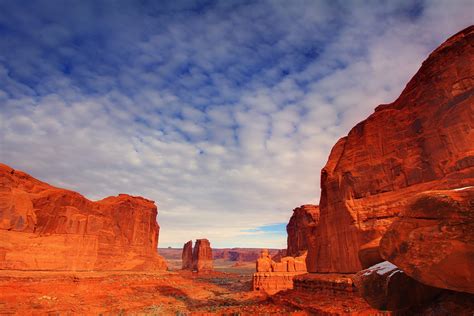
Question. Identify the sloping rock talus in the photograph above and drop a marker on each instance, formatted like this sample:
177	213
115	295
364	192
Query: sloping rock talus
422	141
47	228
187	256
302	230
433	240
202	255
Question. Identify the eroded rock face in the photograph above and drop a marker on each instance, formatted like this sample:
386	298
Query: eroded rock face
202	255
302	229
187	256
369	254
422	141
47	228
433	240
384	286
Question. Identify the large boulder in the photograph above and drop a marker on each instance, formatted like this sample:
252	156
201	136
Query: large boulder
433	240
422	141
384	286
47	228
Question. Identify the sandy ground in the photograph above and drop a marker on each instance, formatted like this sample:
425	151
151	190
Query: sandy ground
115	293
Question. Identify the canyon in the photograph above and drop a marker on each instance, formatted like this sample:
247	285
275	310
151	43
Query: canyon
393	230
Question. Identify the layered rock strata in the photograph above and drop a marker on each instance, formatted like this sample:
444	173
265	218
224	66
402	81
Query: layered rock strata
272	276
47	228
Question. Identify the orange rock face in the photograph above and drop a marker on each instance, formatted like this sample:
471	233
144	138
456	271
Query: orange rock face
422	141
202	255
48	228
433	240
187	256
302	229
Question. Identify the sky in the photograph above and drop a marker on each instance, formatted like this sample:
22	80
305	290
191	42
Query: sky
223	112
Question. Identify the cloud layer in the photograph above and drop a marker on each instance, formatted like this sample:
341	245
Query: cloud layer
223	112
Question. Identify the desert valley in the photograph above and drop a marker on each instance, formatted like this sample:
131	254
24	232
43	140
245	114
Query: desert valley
393	233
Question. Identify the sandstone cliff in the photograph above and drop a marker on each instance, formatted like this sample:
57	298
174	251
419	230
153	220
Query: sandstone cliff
47	228
422	141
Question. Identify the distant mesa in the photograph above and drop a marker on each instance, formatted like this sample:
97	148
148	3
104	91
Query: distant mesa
197	259
47	228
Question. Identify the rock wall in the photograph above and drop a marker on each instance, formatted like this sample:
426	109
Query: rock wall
47	228
302	229
422	141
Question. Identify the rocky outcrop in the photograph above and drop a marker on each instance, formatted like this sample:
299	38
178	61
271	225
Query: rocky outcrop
47	228
202	255
272	276
422	141
433	240
384	286
187	256
302	230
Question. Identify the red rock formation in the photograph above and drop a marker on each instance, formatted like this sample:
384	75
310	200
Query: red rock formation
274	276
301	229
48	228
369	254
422	141
202	255
187	256
384	286
433	240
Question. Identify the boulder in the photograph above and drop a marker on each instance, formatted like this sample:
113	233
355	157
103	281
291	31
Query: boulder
47	228
384	286
422	141
433	240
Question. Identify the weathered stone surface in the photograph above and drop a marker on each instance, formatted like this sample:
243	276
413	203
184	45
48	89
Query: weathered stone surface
324	283
264	263
422	141
202	255
301	229
187	256
274	276
433	240
384	286
47	228
273	282
369	254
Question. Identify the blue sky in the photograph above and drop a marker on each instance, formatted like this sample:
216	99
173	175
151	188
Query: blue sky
223	112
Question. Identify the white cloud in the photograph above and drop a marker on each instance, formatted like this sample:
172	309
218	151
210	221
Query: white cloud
225	118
